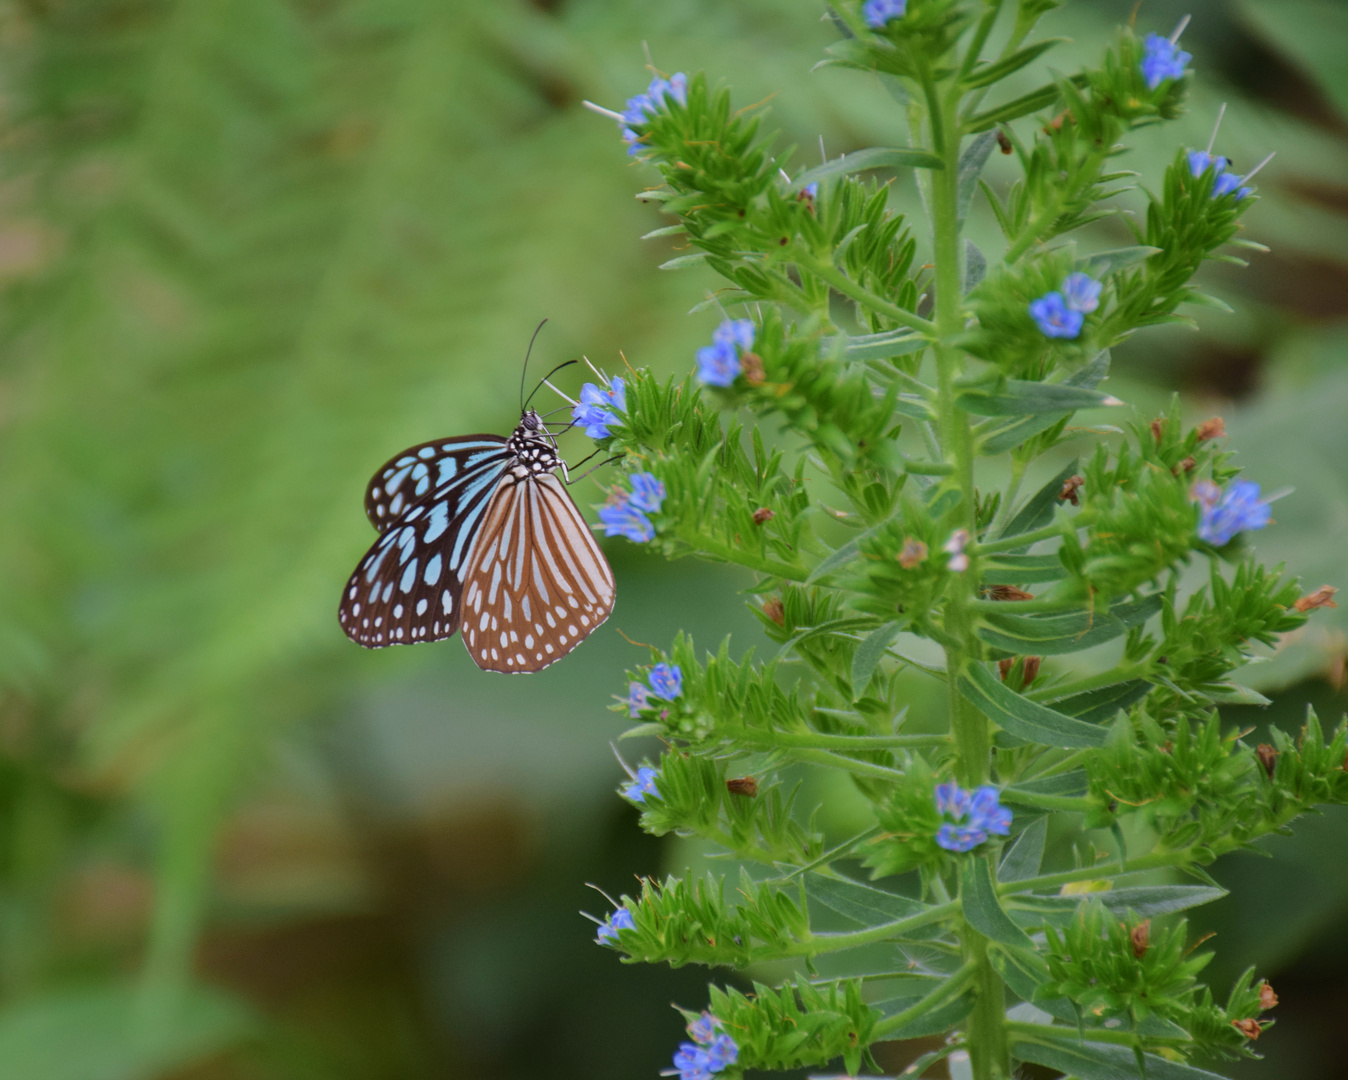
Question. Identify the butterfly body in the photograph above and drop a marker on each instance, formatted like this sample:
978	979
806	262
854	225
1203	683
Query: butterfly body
479	532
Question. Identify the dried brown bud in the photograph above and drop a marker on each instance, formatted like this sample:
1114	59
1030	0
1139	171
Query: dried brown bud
1004	666
1268	757
744	785
752	366
1211	429
1249	1028
1008	592
1004	142
1157	429
1267	998
1030	669
1322	597
1140	935
773	610
1070	488
1056	123
1186	466
914	552
763	514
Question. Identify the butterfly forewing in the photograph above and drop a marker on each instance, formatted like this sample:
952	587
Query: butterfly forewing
408	586
408	478
536	584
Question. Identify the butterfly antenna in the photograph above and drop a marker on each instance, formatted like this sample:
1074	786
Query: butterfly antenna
544	382
527	352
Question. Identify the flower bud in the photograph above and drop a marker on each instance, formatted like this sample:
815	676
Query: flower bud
914	552
773	610
1249	1028
1004	142
1267	998
1030	669
1157	429
743	785
1211	429
1140	936
751	364
1008	592
763	514
1268	757
1322	597
1186	466
1070	487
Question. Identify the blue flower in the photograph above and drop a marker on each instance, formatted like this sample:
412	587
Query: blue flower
1055	318
1223	513
719	363
1200	161
641	108
666	681
694	1062
809	192
1227	183
703	1029
647	492
1081	292
624	519
642	785
977	815
879	13
1224	183
608	929
638	697
600	407
1162	59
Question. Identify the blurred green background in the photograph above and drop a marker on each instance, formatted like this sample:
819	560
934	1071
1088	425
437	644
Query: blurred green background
249	249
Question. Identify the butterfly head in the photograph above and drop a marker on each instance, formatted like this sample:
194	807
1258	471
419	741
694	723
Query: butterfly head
532	445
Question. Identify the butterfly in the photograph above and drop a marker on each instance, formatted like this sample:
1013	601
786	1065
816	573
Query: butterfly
478	533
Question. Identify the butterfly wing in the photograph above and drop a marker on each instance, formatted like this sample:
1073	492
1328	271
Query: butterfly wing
536	584
410	477
409	585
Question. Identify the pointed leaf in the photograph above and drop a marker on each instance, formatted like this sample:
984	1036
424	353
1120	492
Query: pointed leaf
1097	706
1102	1061
862	904
1003	439
868	656
975	266
987	74
1038	512
1055	635
881	346
1006	569
936	1022
1106	262
874	157
1026	854
978	898
1018	398
972	159
1023	718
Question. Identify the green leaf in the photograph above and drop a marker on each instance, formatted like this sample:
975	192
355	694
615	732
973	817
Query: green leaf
1014	110
987	74
972	159
874	157
1064	785
1005	569
1097	706
975	266
94	1034
978	898
1002	439
936	1022
1017	398
685	260
1024	718
862	904
1106	262
1148	901
1102	1061
1055	635
1231	694
881	346
1026	854
1038	512
868	656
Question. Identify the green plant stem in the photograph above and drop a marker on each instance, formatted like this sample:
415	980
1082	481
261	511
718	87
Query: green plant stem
726	553
970	731
947	991
830	760
863	296
817	944
1020	540
820	741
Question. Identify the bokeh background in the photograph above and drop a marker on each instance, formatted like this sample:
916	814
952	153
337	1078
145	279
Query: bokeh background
249	249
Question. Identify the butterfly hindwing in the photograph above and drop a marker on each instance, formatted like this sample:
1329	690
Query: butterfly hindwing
410	477
408	586
536	584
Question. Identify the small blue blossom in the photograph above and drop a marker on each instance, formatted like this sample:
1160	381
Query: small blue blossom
1162	59
647	492
1081	292
624	519
643	784
666	681
703	1029
1225	184
1224	513
719	363
879	13
694	1062
1055	318
1200	161
608	929
641	108
638	697
984	813
600	407
810	192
